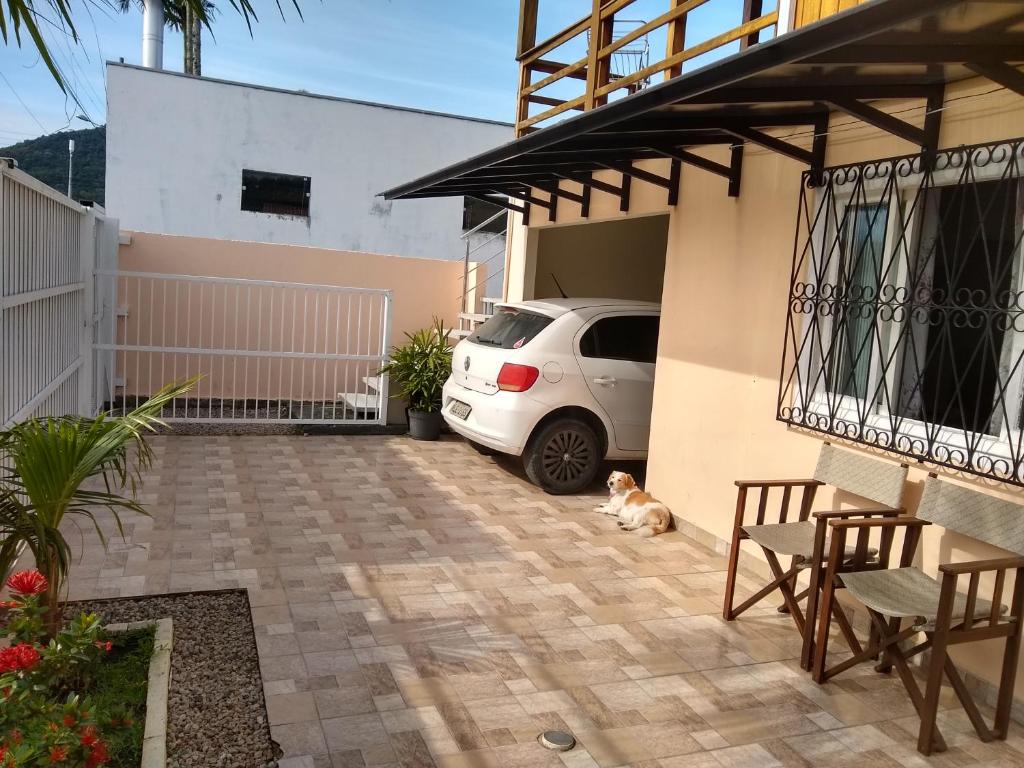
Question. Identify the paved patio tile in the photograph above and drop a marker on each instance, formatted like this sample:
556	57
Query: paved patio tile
421	605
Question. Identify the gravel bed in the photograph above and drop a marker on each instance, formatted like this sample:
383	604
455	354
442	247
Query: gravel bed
217	714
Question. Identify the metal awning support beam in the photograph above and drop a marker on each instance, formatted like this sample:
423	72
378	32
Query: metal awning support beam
587	180
628	169
735	170
674	175
939	49
876	117
501	192
776	91
548	204
555	189
634	139
774	144
1001	73
703	163
669	121
501	201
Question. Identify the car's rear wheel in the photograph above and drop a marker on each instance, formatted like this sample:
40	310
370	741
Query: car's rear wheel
563	457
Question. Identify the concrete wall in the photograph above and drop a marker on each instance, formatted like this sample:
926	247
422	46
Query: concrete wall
183	176
727	274
269	319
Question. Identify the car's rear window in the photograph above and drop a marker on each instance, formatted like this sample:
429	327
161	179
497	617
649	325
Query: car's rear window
510	328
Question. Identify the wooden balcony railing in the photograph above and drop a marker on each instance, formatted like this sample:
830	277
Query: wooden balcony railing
595	69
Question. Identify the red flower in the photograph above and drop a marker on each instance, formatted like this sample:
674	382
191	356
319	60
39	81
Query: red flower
18	657
88	736
16	737
8	604
58	754
69	720
104	646
97	755
28	583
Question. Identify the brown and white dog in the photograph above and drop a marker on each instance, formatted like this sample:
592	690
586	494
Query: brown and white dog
636	510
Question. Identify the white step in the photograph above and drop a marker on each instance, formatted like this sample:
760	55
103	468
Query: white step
473	317
372	382
459	333
359	402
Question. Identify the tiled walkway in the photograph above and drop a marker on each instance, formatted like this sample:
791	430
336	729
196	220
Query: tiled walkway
418	604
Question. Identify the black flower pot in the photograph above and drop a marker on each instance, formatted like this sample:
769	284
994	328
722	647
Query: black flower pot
424	425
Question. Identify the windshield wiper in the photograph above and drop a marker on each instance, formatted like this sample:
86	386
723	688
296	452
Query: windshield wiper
482	340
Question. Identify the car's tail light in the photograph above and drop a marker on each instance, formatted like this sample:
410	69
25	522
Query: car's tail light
516	378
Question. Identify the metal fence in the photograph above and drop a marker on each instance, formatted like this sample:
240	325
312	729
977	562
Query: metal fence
48	248
265	351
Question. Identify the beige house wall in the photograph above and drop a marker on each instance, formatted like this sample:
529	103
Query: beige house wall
724	304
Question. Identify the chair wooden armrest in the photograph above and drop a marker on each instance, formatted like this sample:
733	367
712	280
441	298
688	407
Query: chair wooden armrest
777	483
976	566
842	514
885	522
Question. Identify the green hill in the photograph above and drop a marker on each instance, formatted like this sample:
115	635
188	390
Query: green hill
46	158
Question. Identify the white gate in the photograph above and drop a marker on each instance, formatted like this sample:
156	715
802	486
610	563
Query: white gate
265	351
48	247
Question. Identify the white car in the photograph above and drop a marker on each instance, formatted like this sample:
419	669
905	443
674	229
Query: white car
564	383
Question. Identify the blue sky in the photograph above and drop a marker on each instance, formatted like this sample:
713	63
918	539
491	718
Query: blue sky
448	55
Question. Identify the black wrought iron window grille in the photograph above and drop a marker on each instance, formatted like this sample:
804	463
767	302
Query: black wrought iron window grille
905	325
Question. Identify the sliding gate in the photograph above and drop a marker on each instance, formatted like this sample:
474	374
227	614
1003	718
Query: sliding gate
264	351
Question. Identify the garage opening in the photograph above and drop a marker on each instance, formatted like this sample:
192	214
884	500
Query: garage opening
622	259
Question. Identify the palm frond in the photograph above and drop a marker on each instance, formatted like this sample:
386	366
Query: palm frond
50	462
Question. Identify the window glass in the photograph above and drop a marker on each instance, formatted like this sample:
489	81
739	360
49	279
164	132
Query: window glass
860	269
510	328
278	193
951	371
624	337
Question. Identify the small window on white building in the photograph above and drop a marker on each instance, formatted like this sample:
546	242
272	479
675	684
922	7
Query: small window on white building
475	212
278	193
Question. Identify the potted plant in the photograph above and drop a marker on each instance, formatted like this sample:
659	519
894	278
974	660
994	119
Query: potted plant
418	369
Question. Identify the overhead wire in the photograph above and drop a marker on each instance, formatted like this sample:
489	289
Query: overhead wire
22	102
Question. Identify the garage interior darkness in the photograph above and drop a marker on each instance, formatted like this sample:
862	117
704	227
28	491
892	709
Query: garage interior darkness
620	259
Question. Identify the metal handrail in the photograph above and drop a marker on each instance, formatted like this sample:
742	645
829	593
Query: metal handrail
482	224
488	241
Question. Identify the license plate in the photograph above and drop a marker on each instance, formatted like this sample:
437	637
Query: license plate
460	410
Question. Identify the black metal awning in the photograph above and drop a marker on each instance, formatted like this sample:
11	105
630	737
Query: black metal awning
883	49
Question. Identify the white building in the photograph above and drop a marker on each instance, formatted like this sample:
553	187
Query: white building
209	158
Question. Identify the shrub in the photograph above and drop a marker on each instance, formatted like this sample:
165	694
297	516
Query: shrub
44	719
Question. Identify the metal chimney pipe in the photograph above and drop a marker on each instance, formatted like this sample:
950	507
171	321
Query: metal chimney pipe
153	34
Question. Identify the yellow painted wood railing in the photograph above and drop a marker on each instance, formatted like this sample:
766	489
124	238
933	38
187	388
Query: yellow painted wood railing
595	70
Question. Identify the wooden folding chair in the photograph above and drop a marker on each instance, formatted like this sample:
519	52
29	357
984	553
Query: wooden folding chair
936	608
802	540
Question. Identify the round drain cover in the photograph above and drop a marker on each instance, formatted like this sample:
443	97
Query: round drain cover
559	741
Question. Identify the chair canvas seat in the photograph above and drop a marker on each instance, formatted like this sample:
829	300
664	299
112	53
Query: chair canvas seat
793	539
906	592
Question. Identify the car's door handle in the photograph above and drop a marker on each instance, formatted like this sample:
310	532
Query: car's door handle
605	381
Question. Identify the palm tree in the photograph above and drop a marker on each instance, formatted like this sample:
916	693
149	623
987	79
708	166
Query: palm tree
47	461
26	16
